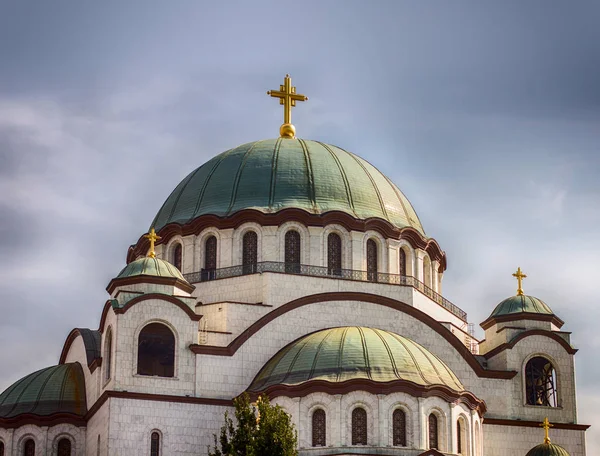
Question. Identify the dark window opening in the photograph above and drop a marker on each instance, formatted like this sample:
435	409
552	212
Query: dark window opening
29	448
64	447
402	262
399	427
318	428
156	351
1	448
540	382
359	426
371	260
292	252
210	259
177	256
107	355
433	432
334	254
249	252
458	437
155	444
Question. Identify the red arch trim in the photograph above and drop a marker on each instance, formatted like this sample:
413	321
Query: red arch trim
354	296
532	332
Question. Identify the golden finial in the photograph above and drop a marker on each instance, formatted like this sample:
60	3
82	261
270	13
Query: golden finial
287	97
152	237
546	425
520	276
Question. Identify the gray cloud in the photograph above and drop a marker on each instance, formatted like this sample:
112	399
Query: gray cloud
484	114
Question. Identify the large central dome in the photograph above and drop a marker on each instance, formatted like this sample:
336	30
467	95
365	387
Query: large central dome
276	174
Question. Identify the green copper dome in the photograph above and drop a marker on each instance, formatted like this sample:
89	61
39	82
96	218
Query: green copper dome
276	174
151	267
347	353
547	449
521	303
56	389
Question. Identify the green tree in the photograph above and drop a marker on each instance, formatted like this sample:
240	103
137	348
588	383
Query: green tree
261	430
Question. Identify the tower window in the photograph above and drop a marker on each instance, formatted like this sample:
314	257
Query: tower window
334	254
372	260
540	382
292	252
359	426
177	256
399	428
318	428
156	351
459	442
433	432
64	447
249	252
1	448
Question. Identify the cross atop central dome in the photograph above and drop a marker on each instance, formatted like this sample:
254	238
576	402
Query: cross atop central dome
275	174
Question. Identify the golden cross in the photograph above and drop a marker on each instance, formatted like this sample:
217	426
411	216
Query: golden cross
546	425
520	276
152	237
287	97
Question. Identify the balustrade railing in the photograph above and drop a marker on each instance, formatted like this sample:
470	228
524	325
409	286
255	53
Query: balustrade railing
206	275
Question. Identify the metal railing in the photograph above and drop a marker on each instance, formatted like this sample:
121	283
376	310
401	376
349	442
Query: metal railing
206	275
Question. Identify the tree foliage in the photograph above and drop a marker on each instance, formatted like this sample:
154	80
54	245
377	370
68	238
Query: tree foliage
261	430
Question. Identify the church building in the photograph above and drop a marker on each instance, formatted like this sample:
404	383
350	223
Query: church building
295	269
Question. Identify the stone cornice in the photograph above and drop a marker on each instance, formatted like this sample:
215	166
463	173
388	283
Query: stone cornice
534	424
491	321
386	229
370	386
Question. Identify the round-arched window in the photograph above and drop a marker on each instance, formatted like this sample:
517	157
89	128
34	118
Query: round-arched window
178	256
399	427
156	351
359	426
29	448
319	428
64	447
540	382
433	432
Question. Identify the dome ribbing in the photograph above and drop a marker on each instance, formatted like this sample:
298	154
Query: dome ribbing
276	174
151	267
547	449
521	303
56	389
347	353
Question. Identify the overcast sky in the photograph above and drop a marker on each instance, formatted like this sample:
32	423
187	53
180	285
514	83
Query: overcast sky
486	115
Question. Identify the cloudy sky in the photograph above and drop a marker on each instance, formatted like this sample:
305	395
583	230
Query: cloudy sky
486	114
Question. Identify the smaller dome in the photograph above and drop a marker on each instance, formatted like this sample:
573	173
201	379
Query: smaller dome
521	304
547	449
151	267
56	389
337	355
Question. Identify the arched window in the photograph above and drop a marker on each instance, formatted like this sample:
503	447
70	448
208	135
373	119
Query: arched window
318	428
155	444
107	361
156	351
359	426
177	256
372	260
29	448
64	447
427	271
402	262
292	252
433	432
399	427
249	252
459	438
210	258
334	254
540	382
1	448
